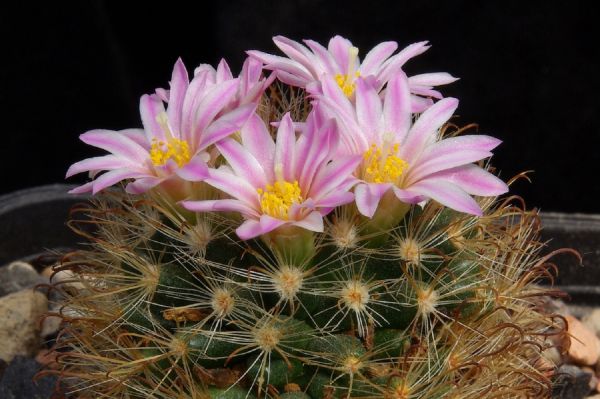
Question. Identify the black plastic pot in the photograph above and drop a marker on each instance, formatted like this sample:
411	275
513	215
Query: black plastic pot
33	222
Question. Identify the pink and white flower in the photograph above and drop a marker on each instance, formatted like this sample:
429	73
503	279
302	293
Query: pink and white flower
308	65
408	157
173	144
287	182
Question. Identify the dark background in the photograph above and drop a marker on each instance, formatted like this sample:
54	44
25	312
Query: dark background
529	74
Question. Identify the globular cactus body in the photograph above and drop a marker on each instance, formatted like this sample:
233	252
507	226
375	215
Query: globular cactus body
296	268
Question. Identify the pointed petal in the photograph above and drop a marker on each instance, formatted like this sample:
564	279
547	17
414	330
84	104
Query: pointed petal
339	47
194	170
252	228
420	104
138	136
284	160
447	194
374	58
142	185
178	88
313	222
425	128
473	180
452	152
368	195
298	53
276	63
223	72
105	162
225	205
233	186
393	64
213	102
151	107
258	141
84	188
112	177
397	106
369	111
225	125
116	143
331	177
325	59
242	162
335	198
409	197
432	79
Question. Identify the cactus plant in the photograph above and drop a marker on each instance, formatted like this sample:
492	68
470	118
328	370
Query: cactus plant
335	253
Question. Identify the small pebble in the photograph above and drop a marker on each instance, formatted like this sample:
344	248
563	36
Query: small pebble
17	276
585	347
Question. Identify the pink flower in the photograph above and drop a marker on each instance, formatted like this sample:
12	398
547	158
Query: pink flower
405	156
290	181
174	141
307	66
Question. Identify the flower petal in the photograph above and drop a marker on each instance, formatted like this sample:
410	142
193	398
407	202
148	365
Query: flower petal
313	222
298	53
394	63
259	143
473	180
340	47
112	177
233	186
374	58
151	107
335	198
105	162
368	110
225	125
84	188
331	177
242	162
397	106
432	79
211	104
223	72
452	152
253	228
277	63
178	87
224	205
368	195
194	170
324	57
116	143
447	194
284	159
142	185
424	130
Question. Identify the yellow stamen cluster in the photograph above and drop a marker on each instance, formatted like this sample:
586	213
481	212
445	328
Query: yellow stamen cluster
161	152
380	167
276	199
346	83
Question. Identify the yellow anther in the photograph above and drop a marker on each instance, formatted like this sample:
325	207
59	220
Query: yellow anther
276	199
380	167
346	83
175	149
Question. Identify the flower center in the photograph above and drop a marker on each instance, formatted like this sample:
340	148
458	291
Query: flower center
381	166
276	199
175	149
